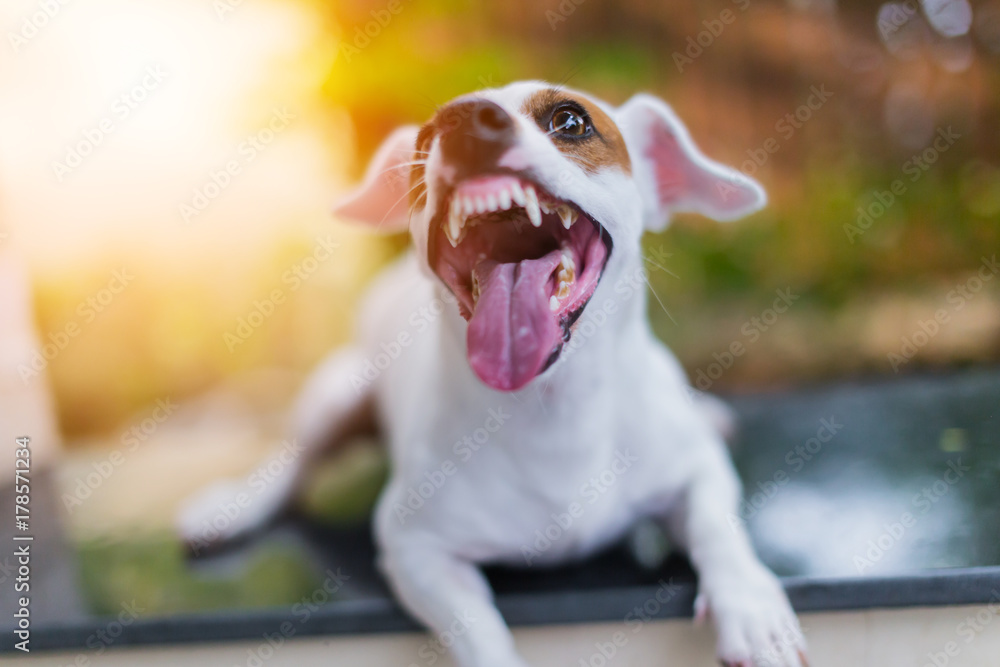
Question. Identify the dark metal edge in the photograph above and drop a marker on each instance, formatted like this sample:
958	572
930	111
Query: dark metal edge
627	605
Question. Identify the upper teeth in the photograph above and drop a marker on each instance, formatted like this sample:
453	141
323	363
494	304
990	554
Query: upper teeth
534	213
454	228
463	207
567	214
517	194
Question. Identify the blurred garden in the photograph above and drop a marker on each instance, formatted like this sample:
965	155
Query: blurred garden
188	254
866	262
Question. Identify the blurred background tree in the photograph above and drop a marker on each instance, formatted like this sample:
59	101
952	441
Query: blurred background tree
892	77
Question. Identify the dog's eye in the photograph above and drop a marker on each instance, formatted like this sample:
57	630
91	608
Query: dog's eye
569	122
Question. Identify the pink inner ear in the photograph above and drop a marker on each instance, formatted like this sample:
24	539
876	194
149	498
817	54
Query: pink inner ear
682	178
384	202
668	160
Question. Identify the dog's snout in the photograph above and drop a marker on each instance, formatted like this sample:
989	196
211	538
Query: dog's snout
489	119
475	134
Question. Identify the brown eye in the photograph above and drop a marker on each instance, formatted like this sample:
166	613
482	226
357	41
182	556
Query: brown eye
569	122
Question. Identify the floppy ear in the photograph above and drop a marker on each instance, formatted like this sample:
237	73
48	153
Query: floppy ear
381	200
673	175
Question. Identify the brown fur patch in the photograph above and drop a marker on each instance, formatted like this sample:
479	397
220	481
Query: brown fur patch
604	148
418	189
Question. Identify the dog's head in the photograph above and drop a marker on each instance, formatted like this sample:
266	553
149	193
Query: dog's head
522	200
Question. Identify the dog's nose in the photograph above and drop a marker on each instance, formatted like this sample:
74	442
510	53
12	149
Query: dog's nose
475	134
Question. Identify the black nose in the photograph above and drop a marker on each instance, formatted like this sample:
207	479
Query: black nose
475	134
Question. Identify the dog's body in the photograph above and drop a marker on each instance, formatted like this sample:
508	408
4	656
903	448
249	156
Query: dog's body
506	453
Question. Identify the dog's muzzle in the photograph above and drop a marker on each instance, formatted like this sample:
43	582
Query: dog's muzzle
475	134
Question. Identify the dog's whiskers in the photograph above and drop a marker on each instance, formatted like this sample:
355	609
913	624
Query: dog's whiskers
657	297
402	165
396	203
661	267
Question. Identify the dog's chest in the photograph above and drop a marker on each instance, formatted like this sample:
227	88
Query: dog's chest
524	480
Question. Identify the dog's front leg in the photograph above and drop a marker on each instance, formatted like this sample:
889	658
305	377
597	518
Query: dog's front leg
754	620
452	598
328	410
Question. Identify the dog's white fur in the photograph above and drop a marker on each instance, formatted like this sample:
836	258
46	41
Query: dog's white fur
610	433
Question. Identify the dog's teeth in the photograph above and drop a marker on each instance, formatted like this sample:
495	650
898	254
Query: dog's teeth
567	261
504	199
562	292
517	194
531	206
449	231
567	214
491	202
455	229
475	288
480	205
553	303
454	226
546	207
468	206
567	273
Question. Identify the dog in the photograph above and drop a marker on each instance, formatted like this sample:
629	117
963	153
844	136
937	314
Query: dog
508	361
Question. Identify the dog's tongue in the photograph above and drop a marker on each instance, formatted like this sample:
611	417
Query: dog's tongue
512	332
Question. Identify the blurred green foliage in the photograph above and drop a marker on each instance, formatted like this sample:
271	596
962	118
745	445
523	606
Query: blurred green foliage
165	339
154	573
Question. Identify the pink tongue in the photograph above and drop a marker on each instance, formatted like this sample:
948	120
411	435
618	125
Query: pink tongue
513	332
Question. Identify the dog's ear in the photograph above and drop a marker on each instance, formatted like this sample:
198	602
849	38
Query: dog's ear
673	175
381	200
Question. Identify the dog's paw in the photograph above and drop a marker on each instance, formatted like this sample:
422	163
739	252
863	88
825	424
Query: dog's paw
220	513
755	623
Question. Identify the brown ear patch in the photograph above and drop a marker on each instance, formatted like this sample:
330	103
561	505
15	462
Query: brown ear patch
604	148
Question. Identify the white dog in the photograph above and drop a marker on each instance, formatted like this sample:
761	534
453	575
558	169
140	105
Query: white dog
531	413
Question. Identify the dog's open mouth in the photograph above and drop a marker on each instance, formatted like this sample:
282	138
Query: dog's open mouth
523	265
